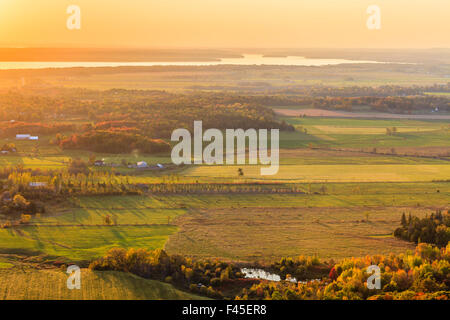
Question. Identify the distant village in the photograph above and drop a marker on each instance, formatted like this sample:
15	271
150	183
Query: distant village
11	148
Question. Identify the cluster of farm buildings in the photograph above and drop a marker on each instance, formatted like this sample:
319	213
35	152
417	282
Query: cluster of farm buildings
137	165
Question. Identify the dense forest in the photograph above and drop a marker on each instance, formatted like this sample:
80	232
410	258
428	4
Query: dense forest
114	142
162	109
433	229
154	114
18	127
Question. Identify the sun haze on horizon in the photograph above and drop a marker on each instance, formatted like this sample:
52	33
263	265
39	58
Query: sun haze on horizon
227	24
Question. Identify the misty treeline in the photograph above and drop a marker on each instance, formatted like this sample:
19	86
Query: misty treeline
113	141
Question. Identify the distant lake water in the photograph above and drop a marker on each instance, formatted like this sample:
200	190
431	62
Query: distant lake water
247	59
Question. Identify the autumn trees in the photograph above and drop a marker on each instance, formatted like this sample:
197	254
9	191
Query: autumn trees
198	276
424	274
433	229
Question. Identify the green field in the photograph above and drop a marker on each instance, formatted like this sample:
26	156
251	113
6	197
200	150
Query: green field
125	210
81	242
35	284
365	133
76	230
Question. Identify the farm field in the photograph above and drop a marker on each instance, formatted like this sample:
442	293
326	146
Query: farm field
79	243
50	284
413	137
365	133
266	234
300	111
76	230
125	210
330	173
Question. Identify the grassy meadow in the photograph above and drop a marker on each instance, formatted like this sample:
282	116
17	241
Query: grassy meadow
50	284
240	222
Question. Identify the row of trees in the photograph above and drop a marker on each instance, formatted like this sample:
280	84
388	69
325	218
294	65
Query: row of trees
358	91
63	182
79	179
220	188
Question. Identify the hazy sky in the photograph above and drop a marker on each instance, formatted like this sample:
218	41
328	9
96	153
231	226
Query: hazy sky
226	23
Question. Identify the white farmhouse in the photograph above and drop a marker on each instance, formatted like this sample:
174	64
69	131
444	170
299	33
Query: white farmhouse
23	136
142	164
26	137
38	184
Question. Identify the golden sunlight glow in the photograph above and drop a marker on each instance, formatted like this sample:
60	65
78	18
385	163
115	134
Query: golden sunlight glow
219	23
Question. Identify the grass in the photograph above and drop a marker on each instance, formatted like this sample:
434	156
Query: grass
77	230
356	157
363	197
266	234
32	284
357	124
364	133
125	210
77	243
330	173
6	265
